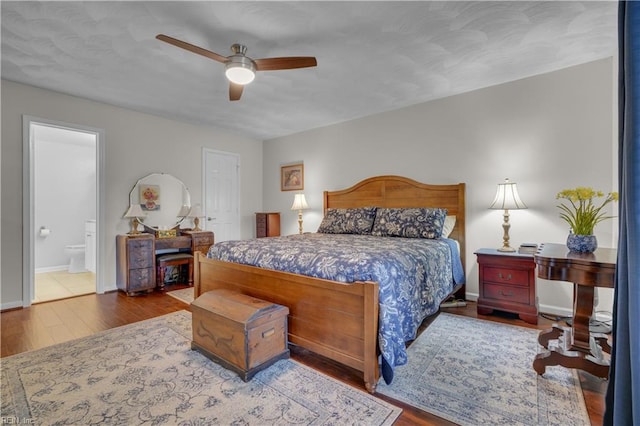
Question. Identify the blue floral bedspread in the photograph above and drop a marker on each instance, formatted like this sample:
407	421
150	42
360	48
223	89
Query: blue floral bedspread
414	274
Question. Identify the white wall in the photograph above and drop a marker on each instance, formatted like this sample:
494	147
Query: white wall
136	145
547	133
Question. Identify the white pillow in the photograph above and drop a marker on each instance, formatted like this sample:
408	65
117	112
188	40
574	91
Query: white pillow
449	223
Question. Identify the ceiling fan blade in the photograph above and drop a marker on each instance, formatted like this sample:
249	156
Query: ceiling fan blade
191	48
286	63
235	91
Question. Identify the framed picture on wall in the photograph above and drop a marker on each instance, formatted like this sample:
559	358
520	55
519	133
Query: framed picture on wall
292	177
150	197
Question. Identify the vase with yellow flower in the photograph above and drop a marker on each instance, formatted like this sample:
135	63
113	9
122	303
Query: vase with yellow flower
583	214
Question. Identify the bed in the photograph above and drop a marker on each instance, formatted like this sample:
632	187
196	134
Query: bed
336	319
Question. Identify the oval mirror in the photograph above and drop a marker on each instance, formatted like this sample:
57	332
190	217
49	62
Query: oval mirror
164	199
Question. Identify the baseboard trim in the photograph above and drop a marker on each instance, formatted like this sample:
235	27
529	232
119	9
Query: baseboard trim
51	269
547	309
11	305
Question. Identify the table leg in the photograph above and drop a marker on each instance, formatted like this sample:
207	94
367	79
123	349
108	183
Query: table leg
582	311
552	333
603	341
570	359
576	347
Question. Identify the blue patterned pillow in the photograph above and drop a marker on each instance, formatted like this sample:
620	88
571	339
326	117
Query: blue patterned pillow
348	221
409	222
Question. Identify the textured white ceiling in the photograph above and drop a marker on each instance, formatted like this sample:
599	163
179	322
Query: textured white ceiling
372	56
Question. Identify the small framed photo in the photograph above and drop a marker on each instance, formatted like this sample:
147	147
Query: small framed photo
292	177
150	197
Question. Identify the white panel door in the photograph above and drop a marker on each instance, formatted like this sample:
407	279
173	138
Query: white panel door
221	194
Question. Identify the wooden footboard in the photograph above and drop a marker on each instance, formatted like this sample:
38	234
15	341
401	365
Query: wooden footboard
336	320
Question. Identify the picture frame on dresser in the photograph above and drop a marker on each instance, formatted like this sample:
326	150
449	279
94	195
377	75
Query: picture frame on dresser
292	177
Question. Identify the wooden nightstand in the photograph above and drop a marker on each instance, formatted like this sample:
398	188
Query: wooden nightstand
507	283
267	225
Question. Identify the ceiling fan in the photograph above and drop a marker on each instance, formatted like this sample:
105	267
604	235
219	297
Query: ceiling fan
241	69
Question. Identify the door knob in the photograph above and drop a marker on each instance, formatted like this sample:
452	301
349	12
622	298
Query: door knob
210	218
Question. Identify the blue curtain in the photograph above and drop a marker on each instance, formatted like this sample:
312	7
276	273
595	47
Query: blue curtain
623	392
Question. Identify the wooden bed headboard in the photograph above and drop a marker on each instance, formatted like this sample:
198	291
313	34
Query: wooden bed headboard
398	191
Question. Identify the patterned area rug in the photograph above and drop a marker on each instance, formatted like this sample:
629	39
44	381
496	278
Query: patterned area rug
475	372
184	294
147	373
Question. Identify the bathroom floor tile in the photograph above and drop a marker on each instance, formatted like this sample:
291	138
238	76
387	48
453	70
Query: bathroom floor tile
61	284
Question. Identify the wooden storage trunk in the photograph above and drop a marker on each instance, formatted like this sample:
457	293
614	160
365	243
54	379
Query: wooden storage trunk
240	332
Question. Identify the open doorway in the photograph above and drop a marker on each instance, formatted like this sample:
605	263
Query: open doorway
63	211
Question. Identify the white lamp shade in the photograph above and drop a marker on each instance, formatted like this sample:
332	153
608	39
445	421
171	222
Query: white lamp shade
134	211
184	211
507	197
299	202
196	211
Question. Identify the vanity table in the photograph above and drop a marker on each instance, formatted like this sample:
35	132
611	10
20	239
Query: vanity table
136	256
576	346
163	201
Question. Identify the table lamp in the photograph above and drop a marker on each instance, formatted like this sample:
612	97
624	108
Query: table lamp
196	213
506	199
299	203
134	212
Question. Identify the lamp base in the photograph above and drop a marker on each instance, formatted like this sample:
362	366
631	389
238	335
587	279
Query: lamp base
506	248
134	227
300	222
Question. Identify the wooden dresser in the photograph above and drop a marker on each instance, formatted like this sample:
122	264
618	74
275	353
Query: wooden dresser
267	225
507	282
136	256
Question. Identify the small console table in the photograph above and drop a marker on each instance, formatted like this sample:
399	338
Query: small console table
576	346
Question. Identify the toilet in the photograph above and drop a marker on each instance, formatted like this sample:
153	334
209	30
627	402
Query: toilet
76	252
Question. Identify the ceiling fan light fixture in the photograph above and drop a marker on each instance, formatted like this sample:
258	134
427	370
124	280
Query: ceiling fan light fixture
239	68
241	71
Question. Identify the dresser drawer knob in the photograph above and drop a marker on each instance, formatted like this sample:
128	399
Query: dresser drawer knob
509	294
508	278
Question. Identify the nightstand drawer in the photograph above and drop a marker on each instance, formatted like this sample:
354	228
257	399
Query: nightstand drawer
506	293
506	276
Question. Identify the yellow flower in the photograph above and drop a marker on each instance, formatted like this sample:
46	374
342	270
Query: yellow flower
582	216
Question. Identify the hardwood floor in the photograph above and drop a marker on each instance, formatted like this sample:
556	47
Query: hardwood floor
54	322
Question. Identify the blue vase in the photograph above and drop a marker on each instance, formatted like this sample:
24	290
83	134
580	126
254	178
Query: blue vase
582	243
